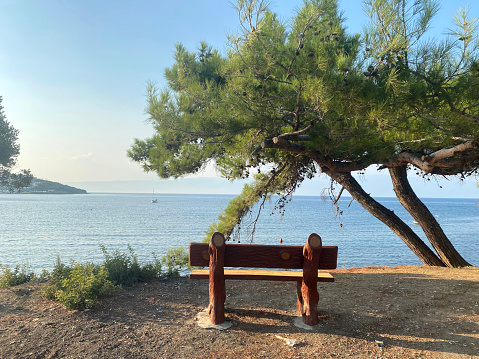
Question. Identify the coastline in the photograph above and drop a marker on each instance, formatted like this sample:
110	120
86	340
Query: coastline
393	312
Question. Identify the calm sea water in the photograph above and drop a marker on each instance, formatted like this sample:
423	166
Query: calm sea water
35	229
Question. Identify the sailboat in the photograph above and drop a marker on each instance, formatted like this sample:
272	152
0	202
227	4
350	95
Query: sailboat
154	200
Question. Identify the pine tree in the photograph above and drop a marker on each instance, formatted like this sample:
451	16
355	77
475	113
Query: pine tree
292	102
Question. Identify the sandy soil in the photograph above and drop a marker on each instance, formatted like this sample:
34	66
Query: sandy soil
401	312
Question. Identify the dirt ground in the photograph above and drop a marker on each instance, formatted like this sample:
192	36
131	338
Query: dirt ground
401	312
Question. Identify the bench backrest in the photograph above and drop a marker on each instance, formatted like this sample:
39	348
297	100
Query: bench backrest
262	256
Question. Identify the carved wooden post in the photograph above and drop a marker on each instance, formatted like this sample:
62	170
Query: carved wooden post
216	308
308	295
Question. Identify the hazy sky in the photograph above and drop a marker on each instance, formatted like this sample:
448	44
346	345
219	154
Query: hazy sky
73	73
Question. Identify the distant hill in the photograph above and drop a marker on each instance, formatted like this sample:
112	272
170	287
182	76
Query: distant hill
42	186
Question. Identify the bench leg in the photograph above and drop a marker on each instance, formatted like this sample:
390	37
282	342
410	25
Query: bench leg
299	303
216	308
307	302
308	296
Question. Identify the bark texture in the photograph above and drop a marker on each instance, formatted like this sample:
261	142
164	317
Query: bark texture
388	217
434	233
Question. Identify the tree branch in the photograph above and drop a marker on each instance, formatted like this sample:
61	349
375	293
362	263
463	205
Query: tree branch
461	113
448	152
296	135
442	162
446	161
282	143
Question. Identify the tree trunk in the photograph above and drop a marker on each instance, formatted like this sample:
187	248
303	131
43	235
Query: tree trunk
434	233
419	248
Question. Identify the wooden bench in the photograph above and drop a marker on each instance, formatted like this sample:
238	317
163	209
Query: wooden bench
218	255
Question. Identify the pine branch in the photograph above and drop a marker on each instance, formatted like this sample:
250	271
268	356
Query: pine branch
437	156
461	113
447	161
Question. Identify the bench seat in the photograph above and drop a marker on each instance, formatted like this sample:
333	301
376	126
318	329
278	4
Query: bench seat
258	274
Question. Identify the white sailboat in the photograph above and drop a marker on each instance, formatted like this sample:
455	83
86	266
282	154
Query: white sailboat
154	200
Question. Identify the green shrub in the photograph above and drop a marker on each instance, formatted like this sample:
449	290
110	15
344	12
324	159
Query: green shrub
81	286
78	286
18	275
60	271
123	268
175	260
44	276
50	291
151	270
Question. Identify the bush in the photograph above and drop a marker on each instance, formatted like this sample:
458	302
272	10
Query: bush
60	271
124	269
175	260
18	275
79	286
151	270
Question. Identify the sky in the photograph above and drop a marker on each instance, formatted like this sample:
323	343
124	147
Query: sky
73	76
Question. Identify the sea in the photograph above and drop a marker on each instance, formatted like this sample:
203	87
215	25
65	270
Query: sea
37	229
